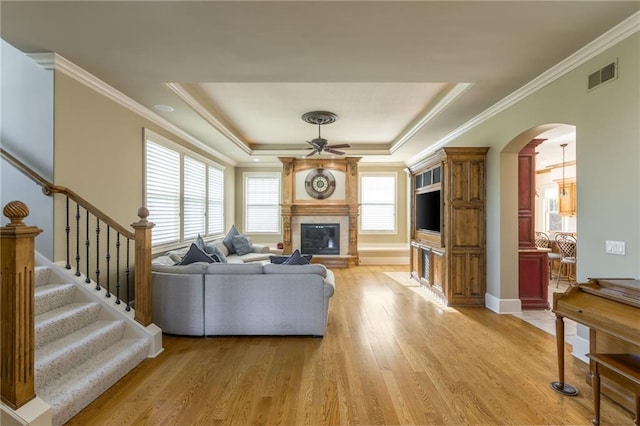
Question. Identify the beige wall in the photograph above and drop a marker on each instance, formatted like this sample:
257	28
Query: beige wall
98	153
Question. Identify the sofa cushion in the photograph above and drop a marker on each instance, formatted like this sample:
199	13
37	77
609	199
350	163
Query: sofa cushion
234	269
192	268
228	239
163	260
296	259
196	254
241	244
280	259
214	249
316	268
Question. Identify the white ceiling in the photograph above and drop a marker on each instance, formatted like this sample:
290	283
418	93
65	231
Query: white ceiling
401	76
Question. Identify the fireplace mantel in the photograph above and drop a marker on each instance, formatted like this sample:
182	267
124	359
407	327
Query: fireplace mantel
336	206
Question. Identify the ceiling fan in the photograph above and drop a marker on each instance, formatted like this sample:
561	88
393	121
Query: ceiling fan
319	145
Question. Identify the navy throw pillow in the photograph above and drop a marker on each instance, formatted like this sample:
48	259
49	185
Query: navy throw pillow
296	259
196	254
228	239
279	260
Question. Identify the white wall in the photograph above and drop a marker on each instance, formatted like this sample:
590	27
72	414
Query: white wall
26	131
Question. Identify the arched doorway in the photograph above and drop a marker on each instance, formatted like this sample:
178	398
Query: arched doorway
550	166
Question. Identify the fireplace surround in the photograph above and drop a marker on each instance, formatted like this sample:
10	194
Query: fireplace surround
341	208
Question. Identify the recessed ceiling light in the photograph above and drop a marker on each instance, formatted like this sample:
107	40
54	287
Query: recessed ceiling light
256	159
164	108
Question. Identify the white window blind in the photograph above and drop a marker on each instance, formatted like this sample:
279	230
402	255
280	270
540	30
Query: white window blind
184	193
262	204
378	203
194	192
163	192
216	201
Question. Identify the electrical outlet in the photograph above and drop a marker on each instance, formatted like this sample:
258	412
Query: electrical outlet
615	247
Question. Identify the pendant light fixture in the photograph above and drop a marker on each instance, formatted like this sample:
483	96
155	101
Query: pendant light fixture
563	193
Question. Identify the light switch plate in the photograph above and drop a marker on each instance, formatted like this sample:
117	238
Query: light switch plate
615	247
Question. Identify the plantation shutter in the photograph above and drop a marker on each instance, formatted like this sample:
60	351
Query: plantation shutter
194	191
163	192
262	204
378	203
216	201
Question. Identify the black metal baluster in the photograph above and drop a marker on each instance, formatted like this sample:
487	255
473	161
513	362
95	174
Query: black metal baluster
77	240
86	243
67	230
108	294
97	254
118	269
128	308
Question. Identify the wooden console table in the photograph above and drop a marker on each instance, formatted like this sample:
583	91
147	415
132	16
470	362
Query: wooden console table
623	369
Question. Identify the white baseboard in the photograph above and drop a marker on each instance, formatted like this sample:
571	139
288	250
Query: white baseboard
397	260
502	306
580	348
34	413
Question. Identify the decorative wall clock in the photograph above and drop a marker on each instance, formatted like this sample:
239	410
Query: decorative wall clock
320	184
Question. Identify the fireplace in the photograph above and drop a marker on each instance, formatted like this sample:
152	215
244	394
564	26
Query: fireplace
320	238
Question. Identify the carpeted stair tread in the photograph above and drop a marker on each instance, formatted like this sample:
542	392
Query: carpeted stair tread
59	322
75	390
42	274
60	356
52	296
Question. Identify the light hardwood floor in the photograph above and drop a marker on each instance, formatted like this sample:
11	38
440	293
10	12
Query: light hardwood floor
389	356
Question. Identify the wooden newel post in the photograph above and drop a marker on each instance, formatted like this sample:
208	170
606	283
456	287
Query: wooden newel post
143	268
17	306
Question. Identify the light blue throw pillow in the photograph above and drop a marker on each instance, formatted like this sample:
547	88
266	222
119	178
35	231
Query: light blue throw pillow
228	242
241	244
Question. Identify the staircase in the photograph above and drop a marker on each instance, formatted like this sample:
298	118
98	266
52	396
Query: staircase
82	346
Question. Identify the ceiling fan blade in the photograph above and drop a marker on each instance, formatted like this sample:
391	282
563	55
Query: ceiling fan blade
333	151
314	144
311	153
343	145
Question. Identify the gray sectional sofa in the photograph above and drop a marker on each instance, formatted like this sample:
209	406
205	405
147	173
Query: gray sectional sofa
259	252
218	299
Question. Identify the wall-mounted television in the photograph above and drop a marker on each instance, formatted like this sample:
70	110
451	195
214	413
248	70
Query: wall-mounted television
428	211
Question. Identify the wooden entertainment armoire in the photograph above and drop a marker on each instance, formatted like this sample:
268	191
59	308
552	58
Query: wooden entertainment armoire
448	248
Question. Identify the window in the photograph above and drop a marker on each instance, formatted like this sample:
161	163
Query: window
262	203
378	203
163	192
552	219
184	193
215	209
195	197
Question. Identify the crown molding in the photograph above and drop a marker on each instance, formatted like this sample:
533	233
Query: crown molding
429	115
53	61
183	94
625	29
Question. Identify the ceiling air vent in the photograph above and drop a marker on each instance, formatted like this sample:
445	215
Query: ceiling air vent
604	74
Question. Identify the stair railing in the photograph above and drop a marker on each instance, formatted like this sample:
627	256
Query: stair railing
109	267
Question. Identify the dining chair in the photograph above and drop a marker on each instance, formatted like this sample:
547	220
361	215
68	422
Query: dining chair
542	240
567	245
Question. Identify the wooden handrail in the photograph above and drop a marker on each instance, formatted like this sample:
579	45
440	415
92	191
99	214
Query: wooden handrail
49	189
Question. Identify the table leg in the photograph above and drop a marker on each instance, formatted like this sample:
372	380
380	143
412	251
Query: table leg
560	385
595	384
